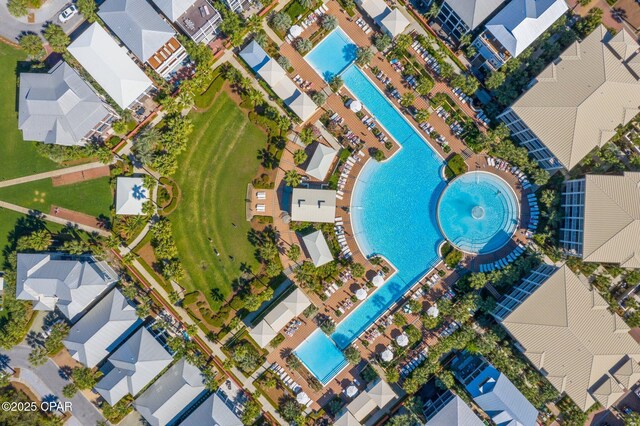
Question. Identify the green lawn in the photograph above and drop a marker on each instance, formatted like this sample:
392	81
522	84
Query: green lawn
19	158
91	197
214	172
12	221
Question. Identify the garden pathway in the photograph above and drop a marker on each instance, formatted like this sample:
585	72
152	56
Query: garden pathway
51	174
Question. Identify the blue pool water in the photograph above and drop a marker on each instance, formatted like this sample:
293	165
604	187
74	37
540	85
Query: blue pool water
478	212
320	356
331	56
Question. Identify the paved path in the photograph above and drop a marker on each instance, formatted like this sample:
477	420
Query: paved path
54	219
52	173
12	27
45	380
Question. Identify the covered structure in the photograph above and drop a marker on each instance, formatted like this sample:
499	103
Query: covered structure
109	321
561	318
69	283
313	205
577	102
172	394
149	37
110	65
198	18
320	161
132	366
515	27
394	23
458	17
131	194
270	71
213	411
376	397
263	334
317	248
450	410
59	107
602	219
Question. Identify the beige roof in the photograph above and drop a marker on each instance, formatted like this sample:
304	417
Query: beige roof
347	419
262	333
567	331
628	373
289	308
313	205
395	22
612	219
607	392
317	248
624	45
367	402
382	393
579	100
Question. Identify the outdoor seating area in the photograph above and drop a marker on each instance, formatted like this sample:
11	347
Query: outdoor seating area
501	263
414	361
364	26
430	60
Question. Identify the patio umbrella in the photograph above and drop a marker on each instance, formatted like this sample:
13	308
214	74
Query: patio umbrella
355	106
387	355
361	294
295	31
302	398
433	311
351	391
402	340
378	280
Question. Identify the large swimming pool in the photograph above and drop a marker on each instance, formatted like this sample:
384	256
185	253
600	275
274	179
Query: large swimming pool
478	212
393	204
319	354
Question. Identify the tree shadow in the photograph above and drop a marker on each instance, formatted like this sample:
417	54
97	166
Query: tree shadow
65	372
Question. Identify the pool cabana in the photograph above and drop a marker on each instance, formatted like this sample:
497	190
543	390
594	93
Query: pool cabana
321	161
317	249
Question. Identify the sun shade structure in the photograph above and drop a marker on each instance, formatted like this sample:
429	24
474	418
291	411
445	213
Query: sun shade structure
90	339
270	71
556	317
351	391
394	23
290	307
134	364
213	411
376	397
171	394
317	248
355	106
69	283
450	410
386	355
602	218
378	280
313	205
433	311
295	31
576	103
402	340
131	194
320	161
302	398
59	107
361	294
110	65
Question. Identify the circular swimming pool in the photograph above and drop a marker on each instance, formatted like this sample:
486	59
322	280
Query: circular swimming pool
478	212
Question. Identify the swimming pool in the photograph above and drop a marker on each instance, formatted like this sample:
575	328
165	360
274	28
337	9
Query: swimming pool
320	356
333	54
478	212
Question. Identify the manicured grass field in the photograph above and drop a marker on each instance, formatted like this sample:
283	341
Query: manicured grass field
91	197
9	223
221	159
19	158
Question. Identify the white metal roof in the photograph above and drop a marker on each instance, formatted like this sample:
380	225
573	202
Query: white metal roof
213	411
110	65
289	308
474	12
173	9
131	194
320	161
395	22
455	413
313	205
317	248
263	333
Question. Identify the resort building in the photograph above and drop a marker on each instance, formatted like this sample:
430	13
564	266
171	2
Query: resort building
317	249
556	317
379	396
313	205
70	283
197	18
91	339
450	410
459	17
289	308
171	395
391	21
270	71
60	108
602	219
132	366
238	6
515	27
145	33
577	102
320	161
493	392
131	194
213	411
110	66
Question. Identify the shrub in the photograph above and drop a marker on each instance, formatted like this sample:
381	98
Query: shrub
236	303
455	166
190	298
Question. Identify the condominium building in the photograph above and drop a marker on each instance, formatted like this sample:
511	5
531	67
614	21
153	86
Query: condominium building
197	18
459	17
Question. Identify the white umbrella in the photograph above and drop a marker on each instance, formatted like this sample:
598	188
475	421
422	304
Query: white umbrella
355	106
402	340
296	31
302	398
361	294
351	391
387	355
433	311
378	280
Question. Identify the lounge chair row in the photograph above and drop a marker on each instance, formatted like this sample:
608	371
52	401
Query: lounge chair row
412	364
288	381
429	59
501	263
363	25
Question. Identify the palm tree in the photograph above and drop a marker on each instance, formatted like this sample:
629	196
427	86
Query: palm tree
329	22
403	41
303	45
422	115
336	83
255	97
254	23
292	178
299	157
38	356
364	55
32	45
283	122
407	99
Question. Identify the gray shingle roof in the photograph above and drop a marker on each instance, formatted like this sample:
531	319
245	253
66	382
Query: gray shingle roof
58	107
474	12
90	338
139	27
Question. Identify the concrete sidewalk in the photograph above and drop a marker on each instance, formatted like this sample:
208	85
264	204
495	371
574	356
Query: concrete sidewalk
53	173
